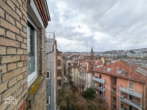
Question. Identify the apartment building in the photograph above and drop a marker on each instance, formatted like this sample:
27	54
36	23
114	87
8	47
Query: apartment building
51	58
74	73
123	86
22	54
59	72
86	73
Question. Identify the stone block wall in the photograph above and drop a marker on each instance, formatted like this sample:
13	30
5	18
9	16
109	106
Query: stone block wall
13	53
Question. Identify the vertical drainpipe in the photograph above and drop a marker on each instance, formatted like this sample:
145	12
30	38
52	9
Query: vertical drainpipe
55	83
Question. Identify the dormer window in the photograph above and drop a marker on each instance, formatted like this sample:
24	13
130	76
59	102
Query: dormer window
105	69
119	71
123	72
108	69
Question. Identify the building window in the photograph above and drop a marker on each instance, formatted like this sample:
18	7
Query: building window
130	97
48	100
59	72
48	75
114	107
114	80
130	108
100	92
59	62
114	90
131	85
32	53
69	64
114	99
59	82
100	76
31	49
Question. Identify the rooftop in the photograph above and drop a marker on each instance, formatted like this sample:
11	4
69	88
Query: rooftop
123	70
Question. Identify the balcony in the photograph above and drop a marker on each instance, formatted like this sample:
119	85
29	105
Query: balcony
122	109
131	103
101	97
131	92
102	89
58	77
59	57
59	67
99	80
58	87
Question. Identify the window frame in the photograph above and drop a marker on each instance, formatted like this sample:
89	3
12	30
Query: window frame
132	86
47	101
114	81
100	76
49	98
48	75
33	76
59	82
59	73
114	90
114	106
114	99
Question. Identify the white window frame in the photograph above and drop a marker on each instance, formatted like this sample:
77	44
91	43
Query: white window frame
33	76
132	85
49	100
48	75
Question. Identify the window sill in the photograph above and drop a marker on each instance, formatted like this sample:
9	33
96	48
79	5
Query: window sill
33	90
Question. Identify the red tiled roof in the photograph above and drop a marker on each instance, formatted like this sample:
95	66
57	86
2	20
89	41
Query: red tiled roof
130	71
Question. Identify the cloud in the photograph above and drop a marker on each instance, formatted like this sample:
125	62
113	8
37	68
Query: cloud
101	24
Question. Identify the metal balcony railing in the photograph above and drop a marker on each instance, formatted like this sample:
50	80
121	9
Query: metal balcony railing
101	97
50	35
131	92
102	89
122	109
99	80
132	103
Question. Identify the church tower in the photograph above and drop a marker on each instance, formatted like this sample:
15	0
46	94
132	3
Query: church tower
92	54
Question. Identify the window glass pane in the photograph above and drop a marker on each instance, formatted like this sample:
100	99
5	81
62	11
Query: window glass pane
59	62
47	74
31	49
59	72
47	100
131	85
59	82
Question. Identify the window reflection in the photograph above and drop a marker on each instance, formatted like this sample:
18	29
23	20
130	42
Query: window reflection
31	49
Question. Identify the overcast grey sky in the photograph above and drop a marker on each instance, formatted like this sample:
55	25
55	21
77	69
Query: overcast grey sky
101	24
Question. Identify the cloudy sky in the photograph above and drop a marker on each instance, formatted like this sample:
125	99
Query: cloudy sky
101	24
